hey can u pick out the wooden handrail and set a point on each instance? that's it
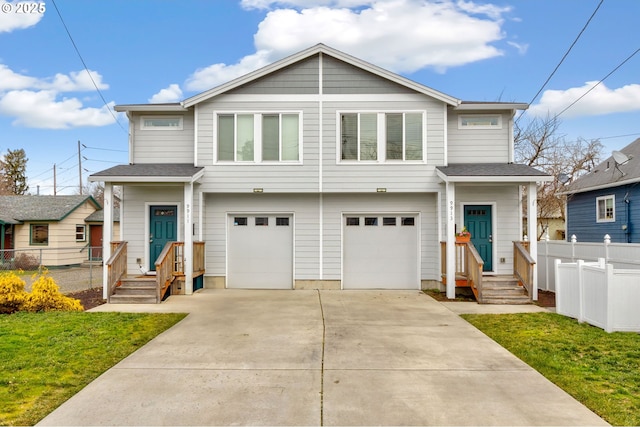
(165, 270)
(469, 265)
(116, 266)
(523, 265)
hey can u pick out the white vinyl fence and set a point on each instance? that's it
(620, 255)
(599, 294)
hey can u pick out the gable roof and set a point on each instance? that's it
(18, 209)
(315, 50)
(491, 172)
(608, 174)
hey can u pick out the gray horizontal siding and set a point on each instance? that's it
(162, 146)
(299, 78)
(478, 146)
(341, 78)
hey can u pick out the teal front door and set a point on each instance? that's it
(477, 219)
(163, 227)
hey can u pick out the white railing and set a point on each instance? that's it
(599, 294)
(620, 255)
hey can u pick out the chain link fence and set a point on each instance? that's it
(73, 269)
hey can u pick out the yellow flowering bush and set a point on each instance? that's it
(12, 293)
(45, 296)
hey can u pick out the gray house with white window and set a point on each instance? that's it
(321, 171)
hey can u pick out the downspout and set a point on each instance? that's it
(627, 226)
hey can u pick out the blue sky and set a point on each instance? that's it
(164, 51)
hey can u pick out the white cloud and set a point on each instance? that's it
(34, 102)
(601, 100)
(400, 35)
(41, 109)
(213, 75)
(173, 93)
(10, 21)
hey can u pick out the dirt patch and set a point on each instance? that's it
(89, 298)
(461, 295)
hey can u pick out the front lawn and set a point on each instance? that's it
(600, 370)
(45, 358)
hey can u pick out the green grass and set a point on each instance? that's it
(45, 358)
(600, 370)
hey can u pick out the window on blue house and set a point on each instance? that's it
(606, 209)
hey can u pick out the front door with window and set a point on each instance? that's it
(163, 227)
(477, 219)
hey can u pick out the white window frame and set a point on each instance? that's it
(604, 199)
(257, 137)
(144, 126)
(382, 137)
(462, 125)
(83, 232)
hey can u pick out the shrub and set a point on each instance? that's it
(26, 262)
(12, 293)
(45, 296)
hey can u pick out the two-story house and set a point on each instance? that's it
(321, 171)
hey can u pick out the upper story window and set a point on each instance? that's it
(380, 137)
(480, 121)
(161, 123)
(257, 137)
(606, 209)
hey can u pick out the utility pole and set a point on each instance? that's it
(80, 167)
(54, 179)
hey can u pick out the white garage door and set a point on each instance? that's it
(381, 252)
(260, 251)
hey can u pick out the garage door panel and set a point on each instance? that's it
(260, 252)
(380, 256)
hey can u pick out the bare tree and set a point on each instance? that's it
(96, 190)
(539, 145)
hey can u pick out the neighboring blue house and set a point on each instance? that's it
(607, 200)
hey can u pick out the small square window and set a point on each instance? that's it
(408, 221)
(262, 221)
(389, 221)
(371, 220)
(240, 220)
(40, 234)
(282, 222)
(353, 220)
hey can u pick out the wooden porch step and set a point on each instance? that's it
(503, 290)
(135, 290)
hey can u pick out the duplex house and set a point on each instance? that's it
(606, 200)
(321, 171)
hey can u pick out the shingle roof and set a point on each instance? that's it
(98, 216)
(161, 172)
(606, 174)
(492, 171)
(16, 209)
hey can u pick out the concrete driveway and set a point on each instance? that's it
(318, 358)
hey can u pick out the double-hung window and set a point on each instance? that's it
(382, 137)
(258, 137)
(606, 209)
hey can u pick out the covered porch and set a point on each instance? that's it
(487, 198)
(159, 249)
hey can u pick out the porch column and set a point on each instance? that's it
(107, 232)
(188, 238)
(532, 232)
(450, 240)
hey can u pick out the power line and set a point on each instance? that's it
(564, 56)
(86, 68)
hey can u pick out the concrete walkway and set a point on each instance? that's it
(318, 358)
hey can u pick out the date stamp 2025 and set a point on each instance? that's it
(22, 7)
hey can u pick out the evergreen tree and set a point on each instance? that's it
(13, 172)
